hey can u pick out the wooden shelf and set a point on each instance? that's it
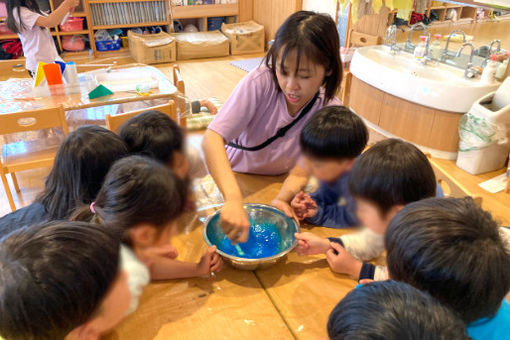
(197, 11)
(76, 54)
(124, 51)
(79, 14)
(73, 32)
(140, 24)
(114, 1)
(8, 36)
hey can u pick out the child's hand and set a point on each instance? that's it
(343, 262)
(298, 205)
(310, 244)
(286, 208)
(310, 206)
(210, 262)
(209, 105)
(72, 3)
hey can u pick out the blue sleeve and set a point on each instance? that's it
(439, 191)
(332, 215)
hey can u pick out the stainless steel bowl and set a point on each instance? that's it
(258, 213)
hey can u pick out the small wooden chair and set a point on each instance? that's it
(113, 123)
(22, 156)
(451, 187)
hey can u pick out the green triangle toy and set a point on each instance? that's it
(99, 91)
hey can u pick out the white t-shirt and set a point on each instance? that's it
(37, 42)
(138, 275)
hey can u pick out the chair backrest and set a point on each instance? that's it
(451, 187)
(113, 123)
(33, 120)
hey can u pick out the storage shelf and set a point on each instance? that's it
(77, 54)
(115, 1)
(73, 32)
(140, 24)
(197, 11)
(78, 14)
(122, 51)
(8, 36)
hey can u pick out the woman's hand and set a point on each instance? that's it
(234, 221)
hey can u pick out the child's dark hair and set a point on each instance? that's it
(334, 132)
(53, 278)
(153, 134)
(390, 173)
(12, 5)
(393, 310)
(452, 249)
(315, 36)
(136, 190)
(81, 164)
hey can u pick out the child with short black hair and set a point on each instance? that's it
(455, 251)
(330, 143)
(141, 200)
(393, 310)
(385, 178)
(156, 135)
(60, 280)
(81, 163)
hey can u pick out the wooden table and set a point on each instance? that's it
(290, 300)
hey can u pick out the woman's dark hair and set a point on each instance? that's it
(334, 132)
(390, 173)
(452, 249)
(136, 190)
(53, 278)
(81, 164)
(12, 5)
(393, 310)
(153, 134)
(314, 36)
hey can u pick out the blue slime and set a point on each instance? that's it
(264, 240)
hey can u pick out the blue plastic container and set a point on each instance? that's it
(214, 23)
(108, 45)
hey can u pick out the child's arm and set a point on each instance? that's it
(57, 15)
(293, 184)
(165, 268)
(342, 262)
(234, 220)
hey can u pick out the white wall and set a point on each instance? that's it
(321, 6)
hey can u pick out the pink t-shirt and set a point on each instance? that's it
(253, 113)
(37, 42)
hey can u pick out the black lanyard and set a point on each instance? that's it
(281, 131)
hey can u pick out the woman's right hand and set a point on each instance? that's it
(234, 221)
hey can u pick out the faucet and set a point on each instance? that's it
(469, 71)
(426, 58)
(391, 35)
(445, 51)
(409, 45)
(495, 42)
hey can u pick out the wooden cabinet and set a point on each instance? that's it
(425, 126)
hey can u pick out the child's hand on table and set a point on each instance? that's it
(304, 206)
(342, 261)
(286, 208)
(310, 244)
(234, 221)
(210, 262)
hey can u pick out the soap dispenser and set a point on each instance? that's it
(502, 68)
(435, 48)
(421, 49)
(489, 72)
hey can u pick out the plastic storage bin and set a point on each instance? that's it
(108, 45)
(73, 43)
(72, 24)
(484, 133)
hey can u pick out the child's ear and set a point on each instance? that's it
(394, 211)
(143, 235)
(180, 164)
(84, 332)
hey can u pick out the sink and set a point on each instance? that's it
(438, 86)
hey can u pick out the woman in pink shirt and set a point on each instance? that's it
(257, 129)
(26, 19)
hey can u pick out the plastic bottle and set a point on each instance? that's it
(502, 69)
(435, 48)
(421, 49)
(489, 72)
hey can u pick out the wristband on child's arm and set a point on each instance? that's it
(367, 271)
(336, 240)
